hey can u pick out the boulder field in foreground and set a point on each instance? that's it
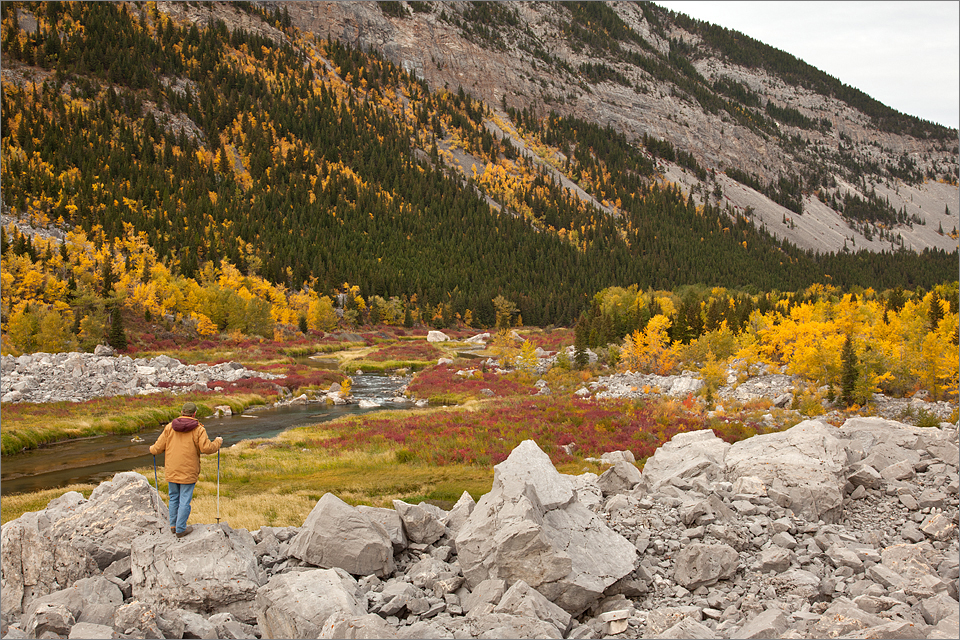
(816, 531)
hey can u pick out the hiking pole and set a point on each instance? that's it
(156, 485)
(218, 486)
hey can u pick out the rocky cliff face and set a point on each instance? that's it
(529, 59)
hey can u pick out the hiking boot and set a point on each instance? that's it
(173, 529)
(186, 531)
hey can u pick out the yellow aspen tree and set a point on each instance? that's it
(205, 326)
(527, 358)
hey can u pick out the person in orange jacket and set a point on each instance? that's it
(184, 439)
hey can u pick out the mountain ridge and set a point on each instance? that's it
(455, 57)
(224, 132)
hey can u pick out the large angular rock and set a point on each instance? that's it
(662, 618)
(801, 467)
(938, 607)
(844, 617)
(489, 591)
(914, 573)
(421, 524)
(872, 431)
(620, 478)
(298, 603)
(91, 631)
(530, 527)
(940, 443)
(687, 628)
(695, 453)
(117, 512)
(338, 535)
(699, 564)
(94, 600)
(523, 600)
(504, 625)
(769, 624)
(34, 564)
(459, 513)
(49, 618)
(390, 520)
(214, 569)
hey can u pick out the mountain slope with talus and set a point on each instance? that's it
(726, 99)
(305, 143)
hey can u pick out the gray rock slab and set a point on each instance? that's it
(565, 552)
(620, 478)
(488, 591)
(802, 468)
(91, 631)
(699, 564)
(298, 603)
(769, 624)
(214, 569)
(459, 513)
(117, 512)
(844, 617)
(688, 628)
(421, 525)
(366, 627)
(523, 600)
(695, 453)
(493, 626)
(390, 520)
(35, 564)
(336, 534)
(662, 618)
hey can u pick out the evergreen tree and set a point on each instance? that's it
(935, 314)
(848, 377)
(106, 274)
(117, 337)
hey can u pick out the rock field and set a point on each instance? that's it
(77, 377)
(814, 532)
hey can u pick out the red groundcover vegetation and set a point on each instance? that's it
(487, 437)
(405, 351)
(443, 379)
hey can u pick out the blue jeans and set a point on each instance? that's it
(180, 497)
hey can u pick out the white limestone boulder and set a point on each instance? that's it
(530, 527)
(686, 455)
(801, 467)
(212, 570)
(298, 604)
(336, 534)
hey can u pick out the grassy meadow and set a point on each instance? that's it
(476, 418)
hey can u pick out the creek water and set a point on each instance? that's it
(93, 460)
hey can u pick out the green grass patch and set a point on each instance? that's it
(431, 455)
(29, 425)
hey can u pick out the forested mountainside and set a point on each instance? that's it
(230, 134)
(811, 160)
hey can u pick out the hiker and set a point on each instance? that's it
(184, 439)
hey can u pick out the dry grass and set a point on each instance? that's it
(12, 507)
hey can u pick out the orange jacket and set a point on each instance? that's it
(184, 439)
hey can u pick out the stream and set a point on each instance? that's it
(95, 459)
